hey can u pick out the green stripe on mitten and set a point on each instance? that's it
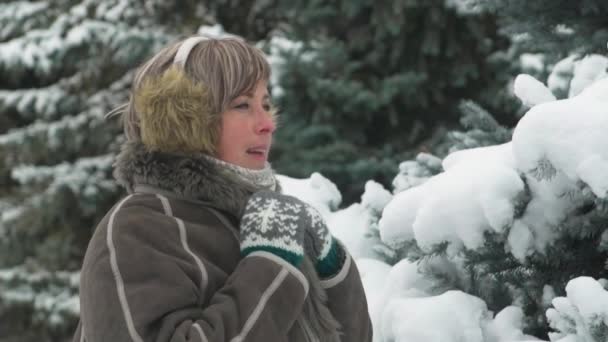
(319, 242)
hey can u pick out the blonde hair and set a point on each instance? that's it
(178, 109)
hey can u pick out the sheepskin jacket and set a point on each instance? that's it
(164, 264)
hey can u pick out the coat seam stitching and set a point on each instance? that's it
(198, 328)
(184, 241)
(255, 315)
(292, 269)
(120, 287)
(82, 332)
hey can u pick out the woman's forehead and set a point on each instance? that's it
(259, 87)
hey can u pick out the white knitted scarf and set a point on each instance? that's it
(262, 179)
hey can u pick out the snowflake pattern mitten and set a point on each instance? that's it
(274, 223)
(320, 244)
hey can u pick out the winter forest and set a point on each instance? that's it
(458, 148)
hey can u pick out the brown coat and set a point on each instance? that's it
(162, 266)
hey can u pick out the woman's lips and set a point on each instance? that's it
(258, 152)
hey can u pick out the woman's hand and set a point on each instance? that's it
(286, 226)
(322, 246)
(274, 223)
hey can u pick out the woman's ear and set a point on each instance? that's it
(176, 113)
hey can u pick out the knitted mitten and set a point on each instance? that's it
(320, 244)
(274, 223)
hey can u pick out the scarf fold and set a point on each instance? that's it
(226, 187)
(260, 179)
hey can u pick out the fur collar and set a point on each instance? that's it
(191, 176)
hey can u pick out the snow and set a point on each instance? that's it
(480, 188)
(452, 316)
(520, 240)
(396, 224)
(19, 16)
(459, 315)
(564, 30)
(120, 10)
(21, 9)
(456, 206)
(534, 62)
(403, 307)
(79, 10)
(52, 132)
(400, 281)
(115, 13)
(586, 71)
(85, 178)
(37, 50)
(375, 197)
(561, 75)
(579, 315)
(558, 148)
(593, 171)
(415, 172)
(573, 133)
(215, 31)
(589, 297)
(18, 295)
(595, 92)
(51, 296)
(279, 46)
(374, 274)
(531, 91)
(82, 169)
(43, 103)
(569, 152)
(350, 226)
(507, 325)
(317, 191)
(390, 290)
(10, 214)
(497, 154)
(465, 7)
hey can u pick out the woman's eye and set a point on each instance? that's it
(267, 107)
(242, 106)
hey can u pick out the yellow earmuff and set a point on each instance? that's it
(175, 112)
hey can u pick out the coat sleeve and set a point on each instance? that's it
(133, 292)
(347, 302)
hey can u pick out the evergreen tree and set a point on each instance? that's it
(558, 27)
(499, 270)
(481, 129)
(373, 80)
(253, 20)
(63, 65)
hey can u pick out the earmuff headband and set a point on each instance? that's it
(184, 50)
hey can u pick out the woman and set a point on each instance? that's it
(205, 247)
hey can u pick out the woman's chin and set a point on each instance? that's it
(256, 162)
(258, 165)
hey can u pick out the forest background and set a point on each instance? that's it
(362, 87)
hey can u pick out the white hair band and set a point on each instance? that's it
(184, 50)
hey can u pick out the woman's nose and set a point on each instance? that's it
(265, 121)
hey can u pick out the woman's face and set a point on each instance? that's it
(247, 127)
